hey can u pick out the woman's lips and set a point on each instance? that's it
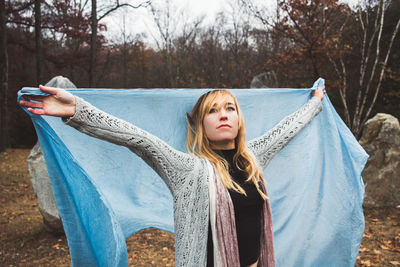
(224, 126)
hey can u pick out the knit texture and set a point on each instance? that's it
(185, 175)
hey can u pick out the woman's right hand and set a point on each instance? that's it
(59, 103)
(320, 92)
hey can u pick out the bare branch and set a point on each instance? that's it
(361, 19)
(29, 24)
(24, 6)
(118, 5)
(257, 13)
(346, 109)
(84, 5)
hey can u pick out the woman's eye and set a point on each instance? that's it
(231, 109)
(213, 110)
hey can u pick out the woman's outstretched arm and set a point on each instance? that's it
(269, 144)
(168, 162)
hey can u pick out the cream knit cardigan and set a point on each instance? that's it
(186, 176)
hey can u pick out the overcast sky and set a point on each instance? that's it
(140, 20)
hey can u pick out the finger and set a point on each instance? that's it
(31, 104)
(48, 89)
(34, 97)
(36, 111)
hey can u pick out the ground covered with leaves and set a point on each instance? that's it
(24, 240)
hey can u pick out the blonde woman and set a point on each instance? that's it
(222, 214)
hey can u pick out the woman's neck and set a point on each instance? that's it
(223, 145)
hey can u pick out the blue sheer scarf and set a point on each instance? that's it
(105, 193)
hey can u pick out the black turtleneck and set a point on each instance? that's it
(247, 215)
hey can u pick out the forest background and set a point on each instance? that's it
(355, 48)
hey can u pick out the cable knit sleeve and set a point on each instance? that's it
(269, 144)
(168, 162)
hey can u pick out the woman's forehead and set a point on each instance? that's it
(222, 99)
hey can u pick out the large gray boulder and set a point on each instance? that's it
(43, 190)
(40, 177)
(264, 80)
(381, 140)
(61, 82)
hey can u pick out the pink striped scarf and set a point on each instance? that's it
(226, 229)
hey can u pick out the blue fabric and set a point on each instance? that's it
(105, 193)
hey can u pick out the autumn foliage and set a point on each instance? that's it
(304, 41)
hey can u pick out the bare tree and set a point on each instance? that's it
(124, 53)
(176, 32)
(38, 41)
(210, 56)
(104, 11)
(373, 61)
(185, 47)
(166, 19)
(237, 40)
(93, 43)
(3, 79)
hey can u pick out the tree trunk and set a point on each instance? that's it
(124, 56)
(93, 45)
(38, 41)
(3, 79)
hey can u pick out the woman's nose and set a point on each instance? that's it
(223, 115)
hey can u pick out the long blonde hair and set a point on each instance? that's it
(198, 144)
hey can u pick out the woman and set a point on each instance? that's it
(221, 209)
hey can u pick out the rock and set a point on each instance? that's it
(60, 82)
(43, 190)
(264, 80)
(40, 177)
(381, 140)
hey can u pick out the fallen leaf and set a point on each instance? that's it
(366, 263)
(395, 262)
(368, 235)
(377, 251)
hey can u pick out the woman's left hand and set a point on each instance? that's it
(319, 92)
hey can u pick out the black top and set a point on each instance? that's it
(247, 215)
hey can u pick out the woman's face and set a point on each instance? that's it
(221, 123)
